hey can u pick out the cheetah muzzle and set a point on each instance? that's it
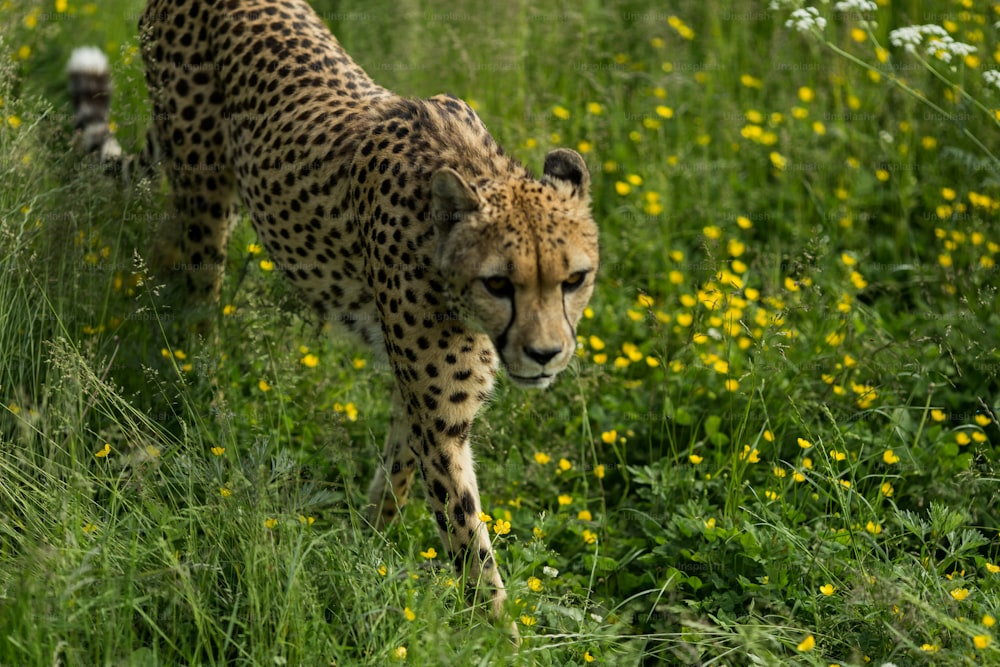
(400, 218)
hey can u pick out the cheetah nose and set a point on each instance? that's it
(542, 356)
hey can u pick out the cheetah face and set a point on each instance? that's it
(520, 257)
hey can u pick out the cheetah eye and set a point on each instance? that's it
(574, 282)
(499, 286)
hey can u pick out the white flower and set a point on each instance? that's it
(911, 36)
(943, 48)
(855, 6)
(550, 571)
(805, 20)
(992, 77)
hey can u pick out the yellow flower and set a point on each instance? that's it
(565, 499)
(485, 518)
(382, 570)
(695, 459)
(218, 451)
(960, 593)
(988, 621)
(587, 657)
(542, 458)
(527, 621)
(835, 338)
(770, 495)
(89, 528)
(538, 533)
(748, 454)
(889, 457)
(828, 589)
(594, 108)
(535, 584)
(270, 523)
(228, 309)
(310, 360)
(399, 653)
(983, 420)
(803, 443)
(778, 160)
(622, 188)
(408, 613)
(806, 94)
(938, 415)
(430, 554)
(837, 455)
(732, 384)
(599, 471)
(807, 644)
(609, 437)
(501, 527)
(711, 232)
(560, 112)
(589, 537)
(266, 265)
(225, 492)
(981, 641)
(992, 569)
(307, 520)
(963, 438)
(887, 490)
(664, 111)
(930, 648)
(104, 451)
(710, 523)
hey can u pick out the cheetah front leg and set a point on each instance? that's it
(453, 493)
(391, 484)
(440, 396)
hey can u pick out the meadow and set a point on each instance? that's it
(778, 444)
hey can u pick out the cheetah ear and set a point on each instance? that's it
(451, 198)
(565, 168)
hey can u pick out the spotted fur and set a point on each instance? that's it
(400, 218)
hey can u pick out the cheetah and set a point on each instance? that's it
(400, 218)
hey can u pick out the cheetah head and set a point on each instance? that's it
(520, 256)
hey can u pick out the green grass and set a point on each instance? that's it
(782, 424)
